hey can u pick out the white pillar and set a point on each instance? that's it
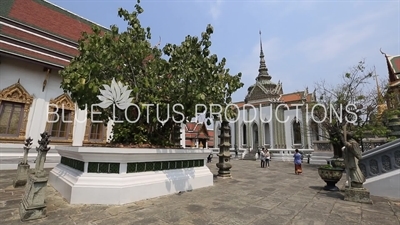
(183, 136)
(80, 121)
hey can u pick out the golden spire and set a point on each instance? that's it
(378, 90)
(381, 103)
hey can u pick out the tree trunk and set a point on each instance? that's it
(337, 150)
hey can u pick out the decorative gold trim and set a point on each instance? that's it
(88, 141)
(18, 94)
(62, 102)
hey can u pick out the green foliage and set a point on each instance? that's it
(190, 75)
(327, 166)
(362, 115)
(201, 78)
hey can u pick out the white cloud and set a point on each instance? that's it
(340, 38)
(215, 9)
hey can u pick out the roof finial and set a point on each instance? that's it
(262, 70)
(382, 52)
(261, 49)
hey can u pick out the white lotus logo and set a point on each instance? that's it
(117, 94)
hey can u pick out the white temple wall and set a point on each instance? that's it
(31, 76)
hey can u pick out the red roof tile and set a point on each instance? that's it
(48, 17)
(190, 135)
(202, 136)
(190, 126)
(188, 143)
(291, 97)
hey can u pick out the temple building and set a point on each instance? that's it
(37, 39)
(197, 135)
(270, 118)
(393, 92)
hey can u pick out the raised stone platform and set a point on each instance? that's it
(123, 175)
(255, 195)
(359, 195)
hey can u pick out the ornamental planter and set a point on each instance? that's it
(125, 175)
(331, 176)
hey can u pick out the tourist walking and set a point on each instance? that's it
(297, 162)
(262, 157)
(267, 157)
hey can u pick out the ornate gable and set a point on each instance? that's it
(264, 92)
(16, 93)
(203, 132)
(63, 102)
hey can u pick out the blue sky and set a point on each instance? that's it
(304, 41)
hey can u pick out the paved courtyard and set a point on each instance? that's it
(254, 196)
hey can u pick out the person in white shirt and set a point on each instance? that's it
(262, 157)
(267, 157)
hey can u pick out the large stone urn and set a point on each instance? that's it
(331, 176)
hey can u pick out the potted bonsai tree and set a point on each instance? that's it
(331, 175)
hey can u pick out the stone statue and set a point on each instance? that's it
(27, 147)
(42, 152)
(23, 166)
(33, 205)
(351, 155)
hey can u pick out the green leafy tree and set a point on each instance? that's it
(353, 102)
(198, 77)
(189, 76)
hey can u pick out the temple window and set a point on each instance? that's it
(296, 132)
(267, 135)
(314, 132)
(244, 134)
(96, 132)
(61, 127)
(15, 104)
(11, 115)
(60, 124)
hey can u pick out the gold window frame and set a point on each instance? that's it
(63, 102)
(18, 94)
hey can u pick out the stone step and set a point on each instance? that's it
(319, 158)
(385, 185)
(251, 155)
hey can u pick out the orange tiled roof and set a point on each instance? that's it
(291, 97)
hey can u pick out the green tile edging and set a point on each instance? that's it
(103, 167)
(73, 163)
(138, 167)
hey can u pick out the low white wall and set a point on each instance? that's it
(83, 187)
(12, 154)
(287, 154)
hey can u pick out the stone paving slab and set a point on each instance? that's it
(254, 195)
